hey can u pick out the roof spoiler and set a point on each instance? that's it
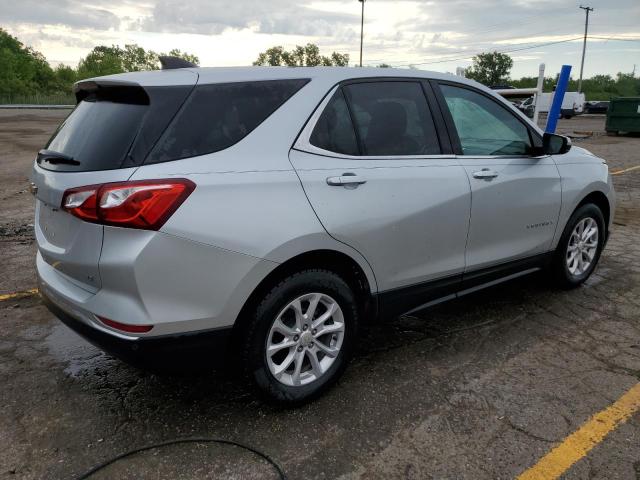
(113, 90)
(169, 63)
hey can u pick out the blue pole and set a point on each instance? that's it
(556, 106)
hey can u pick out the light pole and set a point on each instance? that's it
(361, 30)
(584, 43)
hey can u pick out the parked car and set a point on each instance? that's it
(572, 104)
(264, 217)
(526, 106)
(597, 106)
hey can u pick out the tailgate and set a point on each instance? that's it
(106, 137)
(69, 244)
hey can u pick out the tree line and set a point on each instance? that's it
(493, 68)
(27, 77)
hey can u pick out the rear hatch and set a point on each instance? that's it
(107, 136)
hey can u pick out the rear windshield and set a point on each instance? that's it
(217, 116)
(114, 127)
(98, 134)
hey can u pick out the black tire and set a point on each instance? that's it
(560, 270)
(265, 314)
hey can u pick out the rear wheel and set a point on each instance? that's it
(301, 336)
(580, 246)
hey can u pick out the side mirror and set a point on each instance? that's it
(553, 144)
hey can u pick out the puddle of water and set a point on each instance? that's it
(69, 348)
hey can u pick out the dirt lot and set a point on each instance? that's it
(478, 388)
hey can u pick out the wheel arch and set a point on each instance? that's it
(600, 200)
(338, 262)
(573, 199)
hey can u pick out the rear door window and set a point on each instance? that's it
(334, 131)
(392, 118)
(216, 116)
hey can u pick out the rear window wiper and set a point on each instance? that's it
(55, 158)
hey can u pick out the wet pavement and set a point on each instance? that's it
(478, 388)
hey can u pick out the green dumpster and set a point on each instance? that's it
(623, 115)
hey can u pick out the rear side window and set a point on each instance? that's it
(485, 127)
(392, 118)
(334, 130)
(217, 116)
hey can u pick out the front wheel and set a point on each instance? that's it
(300, 336)
(580, 246)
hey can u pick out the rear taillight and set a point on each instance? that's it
(145, 204)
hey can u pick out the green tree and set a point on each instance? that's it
(25, 74)
(490, 68)
(135, 58)
(22, 69)
(102, 60)
(64, 78)
(184, 55)
(628, 85)
(301, 56)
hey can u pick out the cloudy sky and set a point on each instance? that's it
(433, 34)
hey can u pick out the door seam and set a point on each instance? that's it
(373, 273)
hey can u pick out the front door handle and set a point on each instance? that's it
(346, 179)
(485, 174)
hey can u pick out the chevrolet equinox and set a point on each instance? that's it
(269, 214)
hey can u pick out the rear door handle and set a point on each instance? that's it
(346, 179)
(485, 174)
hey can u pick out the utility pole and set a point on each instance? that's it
(584, 43)
(361, 30)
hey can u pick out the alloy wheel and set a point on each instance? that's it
(582, 247)
(305, 339)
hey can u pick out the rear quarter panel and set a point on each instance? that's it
(248, 197)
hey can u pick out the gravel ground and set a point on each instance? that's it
(477, 388)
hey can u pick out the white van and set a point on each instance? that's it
(572, 103)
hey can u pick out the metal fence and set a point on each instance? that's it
(37, 99)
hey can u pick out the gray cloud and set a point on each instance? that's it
(440, 29)
(481, 21)
(216, 16)
(72, 13)
(498, 19)
(451, 28)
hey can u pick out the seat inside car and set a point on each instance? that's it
(387, 132)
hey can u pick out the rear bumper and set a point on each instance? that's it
(153, 278)
(166, 352)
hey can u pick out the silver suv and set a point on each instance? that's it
(271, 213)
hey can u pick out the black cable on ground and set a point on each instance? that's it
(129, 453)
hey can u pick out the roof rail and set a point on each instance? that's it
(169, 63)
